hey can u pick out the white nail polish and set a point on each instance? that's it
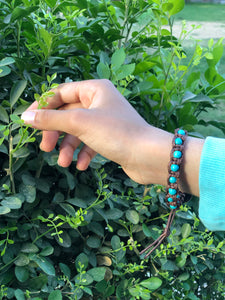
(28, 117)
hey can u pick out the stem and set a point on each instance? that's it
(13, 189)
(18, 38)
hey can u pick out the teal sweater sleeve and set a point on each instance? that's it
(212, 184)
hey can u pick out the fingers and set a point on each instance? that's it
(67, 148)
(81, 92)
(49, 140)
(84, 158)
(69, 121)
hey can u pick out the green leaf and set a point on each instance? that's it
(29, 192)
(17, 91)
(97, 274)
(68, 208)
(103, 71)
(22, 260)
(38, 282)
(29, 248)
(115, 242)
(132, 216)
(186, 230)
(84, 279)
(152, 283)
(143, 66)
(3, 115)
(22, 273)
(146, 230)
(174, 6)
(44, 264)
(4, 71)
(55, 295)
(51, 3)
(113, 214)
(184, 276)
(181, 260)
(19, 294)
(12, 202)
(47, 251)
(124, 71)
(93, 242)
(6, 61)
(118, 59)
(4, 210)
(65, 269)
(21, 12)
(83, 260)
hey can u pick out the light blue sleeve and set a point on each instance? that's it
(212, 184)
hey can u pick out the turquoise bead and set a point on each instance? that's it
(172, 191)
(173, 207)
(170, 199)
(174, 168)
(178, 141)
(172, 179)
(177, 154)
(181, 131)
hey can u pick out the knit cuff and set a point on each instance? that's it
(212, 184)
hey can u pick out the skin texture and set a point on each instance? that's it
(95, 113)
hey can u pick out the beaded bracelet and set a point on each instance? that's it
(174, 197)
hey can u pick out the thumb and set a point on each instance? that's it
(69, 121)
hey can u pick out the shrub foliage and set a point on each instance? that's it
(65, 234)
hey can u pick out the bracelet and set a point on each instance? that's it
(174, 197)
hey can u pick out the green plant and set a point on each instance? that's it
(73, 235)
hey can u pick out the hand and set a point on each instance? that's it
(95, 113)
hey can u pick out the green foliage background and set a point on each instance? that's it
(71, 235)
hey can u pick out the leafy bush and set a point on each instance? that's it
(73, 235)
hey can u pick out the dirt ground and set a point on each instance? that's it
(208, 30)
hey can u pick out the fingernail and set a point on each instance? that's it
(28, 117)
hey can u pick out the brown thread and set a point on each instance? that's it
(174, 201)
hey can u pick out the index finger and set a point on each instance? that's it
(72, 92)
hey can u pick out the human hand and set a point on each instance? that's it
(95, 113)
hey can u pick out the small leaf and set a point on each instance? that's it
(3, 115)
(65, 269)
(29, 248)
(118, 59)
(83, 260)
(44, 264)
(103, 71)
(12, 202)
(29, 192)
(4, 71)
(6, 61)
(132, 216)
(152, 283)
(68, 208)
(93, 242)
(55, 295)
(4, 210)
(186, 230)
(47, 251)
(22, 260)
(113, 214)
(19, 294)
(22, 273)
(115, 242)
(17, 90)
(97, 274)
